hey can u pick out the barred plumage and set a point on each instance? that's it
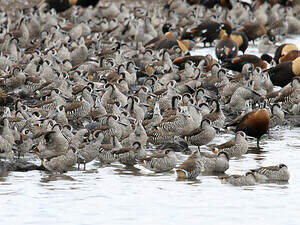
(272, 173)
(160, 162)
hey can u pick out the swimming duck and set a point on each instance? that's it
(160, 162)
(272, 173)
(214, 163)
(240, 180)
(190, 168)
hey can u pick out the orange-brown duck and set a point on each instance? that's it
(196, 59)
(239, 37)
(254, 30)
(238, 62)
(284, 72)
(291, 56)
(283, 50)
(254, 123)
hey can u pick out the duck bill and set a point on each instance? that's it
(40, 4)
(181, 174)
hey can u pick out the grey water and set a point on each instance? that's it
(116, 195)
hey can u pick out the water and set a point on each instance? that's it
(114, 195)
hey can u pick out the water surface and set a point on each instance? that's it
(115, 195)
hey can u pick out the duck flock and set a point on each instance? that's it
(118, 82)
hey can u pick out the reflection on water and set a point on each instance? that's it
(3, 176)
(122, 195)
(56, 177)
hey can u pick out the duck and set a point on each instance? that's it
(6, 149)
(214, 163)
(160, 162)
(226, 49)
(239, 37)
(129, 156)
(216, 116)
(248, 179)
(283, 50)
(190, 168)
(236, 147)
(202, 135)
(290, 56)
(254, 30)
(254, 124)
(284, 72)
(272, 173)
(78, 109)
(277, 115)
(238, 62)
(265, 46)
(139, 134)
(53, 141)
(289, 94)
(90, 151)
(106, 151)
(240, 96)
(208, 30)
(59, 162)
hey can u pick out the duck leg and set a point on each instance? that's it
(257, 143)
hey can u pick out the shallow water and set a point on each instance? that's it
(115, 195)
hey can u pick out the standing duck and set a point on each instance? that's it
(254, 123)
(208, 30)
(6, 150)
(216, 116)
(90, 151)
(254, 30)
